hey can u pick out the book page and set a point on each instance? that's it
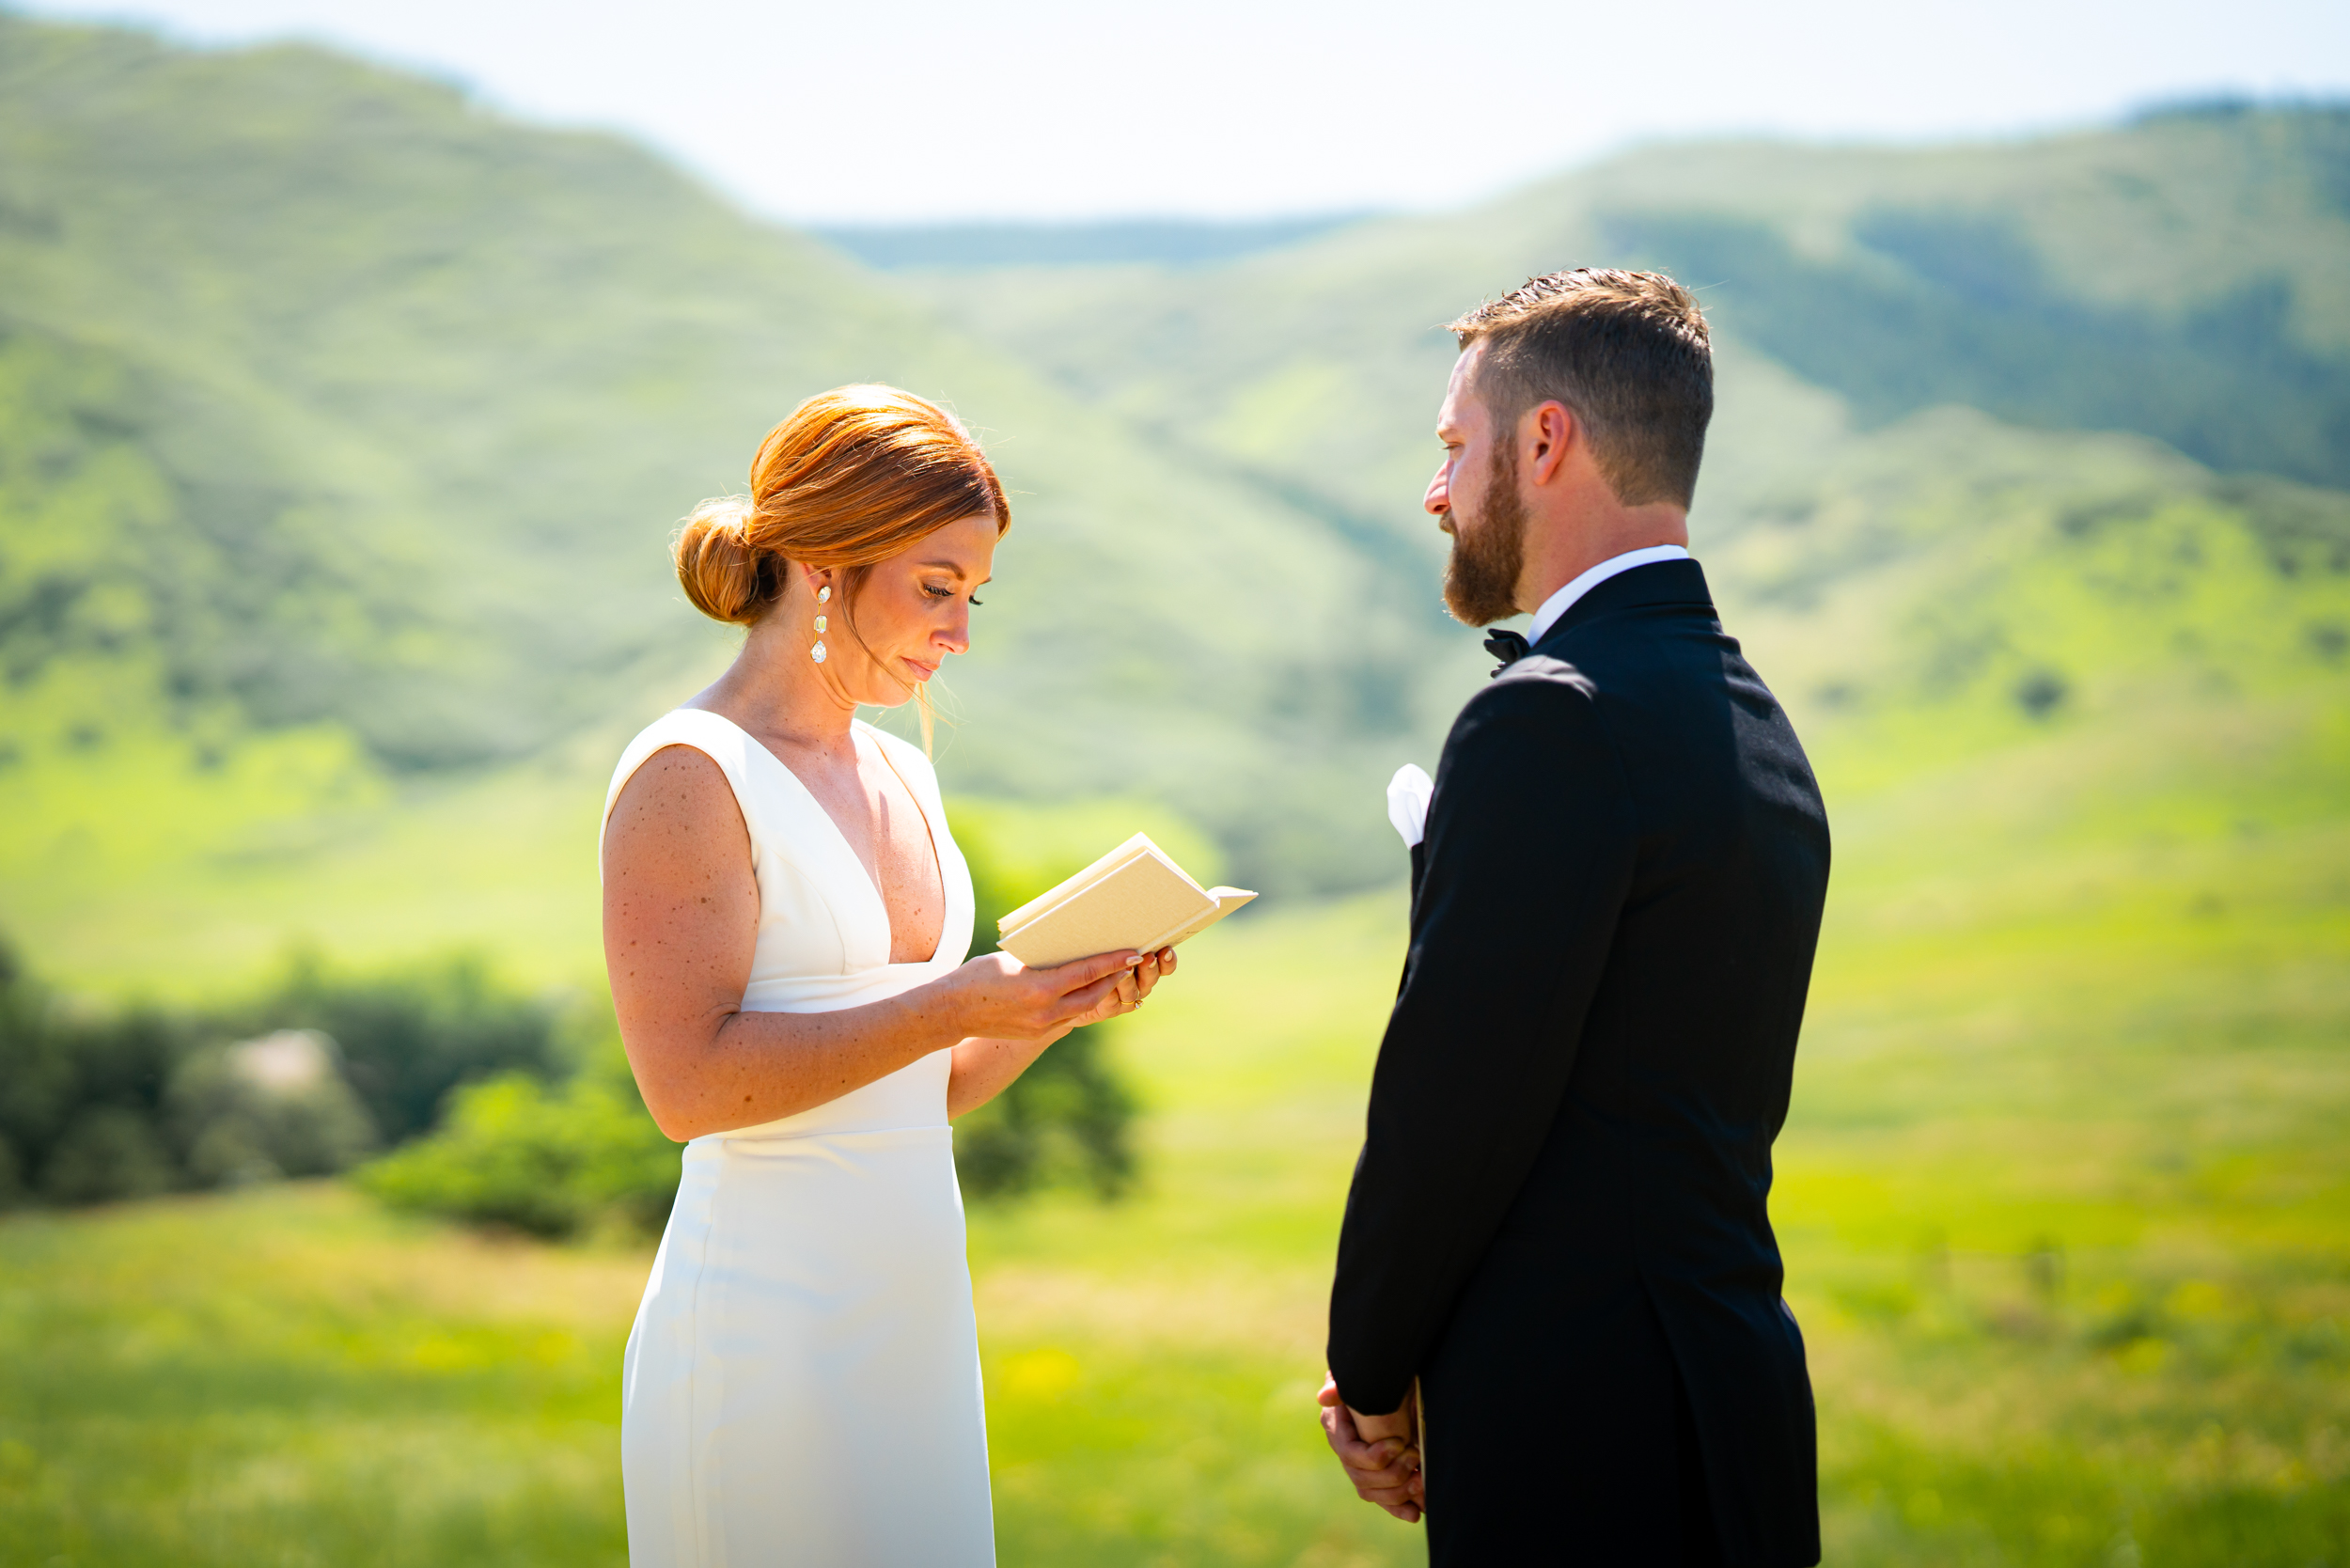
(1138, 905)
(1069, 887)
(1227, 900)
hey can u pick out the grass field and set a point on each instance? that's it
(2065, 1202)
(2066, 1208)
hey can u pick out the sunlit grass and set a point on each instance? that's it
(292, 1376)
(2064, 1199)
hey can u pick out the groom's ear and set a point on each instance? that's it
(1546, 432)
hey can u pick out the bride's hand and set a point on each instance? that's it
(1131, 990)
(1000, 999)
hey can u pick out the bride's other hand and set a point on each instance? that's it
(1144, 974)
(1002, 999)
(1151, 970)
(1015, 1013)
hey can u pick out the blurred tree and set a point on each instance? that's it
(1063, 1121)
(106, 1151)
(409, 1037)
(95, 1107)
(550, 1160)
(79, 1095)
(264, 1108)
(1068, 1118)
(538, 1122)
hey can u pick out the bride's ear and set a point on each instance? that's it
(815, 579)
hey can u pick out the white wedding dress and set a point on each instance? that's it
(802, 1385)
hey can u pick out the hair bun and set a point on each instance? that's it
(716, 563)
(849, 478)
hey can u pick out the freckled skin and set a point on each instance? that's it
(681, 906)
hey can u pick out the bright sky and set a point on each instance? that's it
(922, 110)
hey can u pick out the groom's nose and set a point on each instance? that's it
(1438, 501)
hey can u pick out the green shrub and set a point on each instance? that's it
(301, 1082)
(553, 1161)
(1062, 1122)
(79, 1096)
(106, 1151)
(408, 1036)
(264, 1108)
(1065, 1121)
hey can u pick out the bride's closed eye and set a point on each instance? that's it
(936, 593)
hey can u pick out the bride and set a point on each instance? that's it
(785, 920)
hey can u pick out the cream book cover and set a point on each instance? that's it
(1132, 897)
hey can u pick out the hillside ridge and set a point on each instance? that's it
(341, 423)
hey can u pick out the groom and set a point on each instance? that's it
(1556, 1250)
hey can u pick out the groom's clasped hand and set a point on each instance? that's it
(1003, 999)
(1381, 1453)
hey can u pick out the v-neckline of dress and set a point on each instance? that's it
(865, 875)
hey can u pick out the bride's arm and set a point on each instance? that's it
(681, 921)
(985, 1068)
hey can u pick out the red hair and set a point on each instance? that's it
(851, 477)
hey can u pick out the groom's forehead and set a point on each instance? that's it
(1462, 407)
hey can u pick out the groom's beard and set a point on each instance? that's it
(1481, 579)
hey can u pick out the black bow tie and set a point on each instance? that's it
(1508, 647)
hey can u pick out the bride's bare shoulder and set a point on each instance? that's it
(677, 804)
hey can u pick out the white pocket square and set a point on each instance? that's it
(1408, 794)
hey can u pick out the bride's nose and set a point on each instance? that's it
(955, 637)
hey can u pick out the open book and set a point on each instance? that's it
(1132, 897)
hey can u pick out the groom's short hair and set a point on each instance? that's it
(1628, 354)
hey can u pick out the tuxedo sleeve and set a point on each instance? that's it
(1527, 858)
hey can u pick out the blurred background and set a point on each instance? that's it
(356, 359)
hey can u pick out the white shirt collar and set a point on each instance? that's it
(1560, 603)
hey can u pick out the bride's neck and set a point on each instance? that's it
(775, 690)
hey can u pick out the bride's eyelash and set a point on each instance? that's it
(945, 593)
(975, 602)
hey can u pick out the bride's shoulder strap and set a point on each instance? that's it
(716, 738)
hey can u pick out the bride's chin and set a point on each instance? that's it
(881, 691)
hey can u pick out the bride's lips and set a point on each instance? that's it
(922, 670)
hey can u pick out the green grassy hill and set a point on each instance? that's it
(342, 424)
(343, 427)
(2181, 276)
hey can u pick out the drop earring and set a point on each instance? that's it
(823, 596)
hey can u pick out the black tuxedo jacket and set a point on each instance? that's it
(1613, 918)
